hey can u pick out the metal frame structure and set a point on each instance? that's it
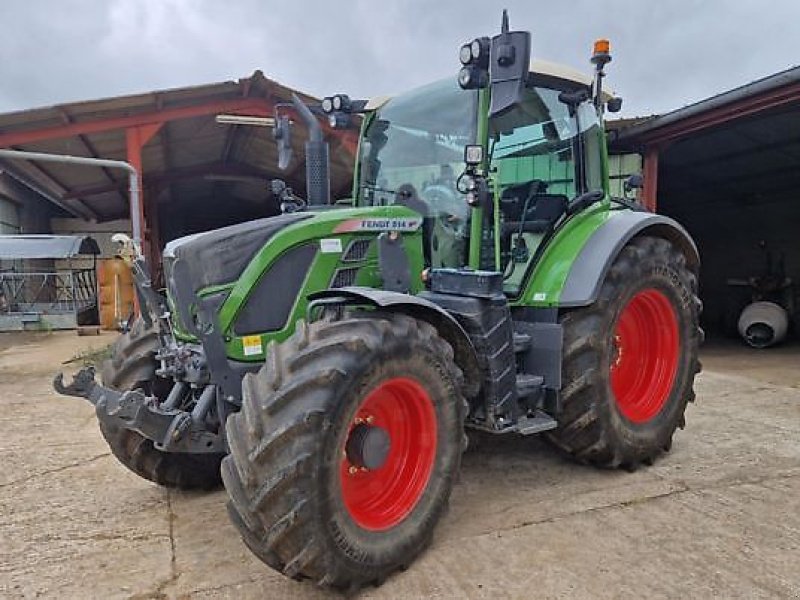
(139, 129)
(42, 297)
(654, 136)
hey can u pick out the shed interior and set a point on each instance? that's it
(736, 188)
(197, 174)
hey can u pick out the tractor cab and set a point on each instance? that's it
(543, 152)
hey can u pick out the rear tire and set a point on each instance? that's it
(133, 366)
(297, 494)
(630, 359)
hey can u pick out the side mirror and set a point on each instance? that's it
(509, 63)
(614, 105)
(634, 182)
(282, 134)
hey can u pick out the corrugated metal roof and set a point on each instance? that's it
(759, 87)
(20, 247)
(189, 157)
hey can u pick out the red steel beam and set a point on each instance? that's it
(723, 114)
(650, 175)
(135, 139)
(250, 106)
(247, 106)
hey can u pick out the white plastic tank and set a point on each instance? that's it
(763, 324)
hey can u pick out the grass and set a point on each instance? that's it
(91, 356)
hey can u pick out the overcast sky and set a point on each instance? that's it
(667, 53)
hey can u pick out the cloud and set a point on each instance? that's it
(666, 54)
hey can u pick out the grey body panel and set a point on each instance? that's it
(544, 356)
(589, 269)
(221, 255)
(393, 261)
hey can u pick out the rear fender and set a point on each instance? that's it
(590, 267)
(416, 307)
(575, 261)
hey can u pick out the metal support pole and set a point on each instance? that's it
(133, 178)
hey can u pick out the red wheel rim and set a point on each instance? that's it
(378, 499)
(645, 358)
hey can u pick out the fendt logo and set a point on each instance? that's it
(395, 224)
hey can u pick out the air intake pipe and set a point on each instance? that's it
(763, 324)
(318, 183)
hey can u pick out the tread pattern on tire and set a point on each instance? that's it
(132, 365)
(278, 437)
(585, 430)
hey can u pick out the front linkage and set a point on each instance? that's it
(200, 373)
(170, 429)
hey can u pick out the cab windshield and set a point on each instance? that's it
(543, 155)
(412, 153)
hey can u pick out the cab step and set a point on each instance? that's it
(539, 422)
(528, 384)
(522, 342)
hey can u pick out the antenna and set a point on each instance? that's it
(504, 24)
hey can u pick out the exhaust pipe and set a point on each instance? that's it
(318, 184)
(763, 324)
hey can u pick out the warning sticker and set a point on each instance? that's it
(330, 246)
(251, 344)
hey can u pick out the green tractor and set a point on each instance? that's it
(325, 363)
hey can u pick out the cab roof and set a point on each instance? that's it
(539, 67)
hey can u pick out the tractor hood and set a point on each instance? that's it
(219, 256)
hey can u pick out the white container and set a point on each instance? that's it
(763, 324)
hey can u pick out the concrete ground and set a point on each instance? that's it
(718, 516)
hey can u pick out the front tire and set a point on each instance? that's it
(630, 359)
(133, 366)
(346, 448)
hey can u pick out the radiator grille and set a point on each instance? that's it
(344, 277)
(357, 250)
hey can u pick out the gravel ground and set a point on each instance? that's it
(718, 516)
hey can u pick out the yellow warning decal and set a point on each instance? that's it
(251, 344)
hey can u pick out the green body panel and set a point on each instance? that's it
(325, 224)
(549, 274)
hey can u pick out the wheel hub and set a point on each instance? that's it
(389, 453)
(644, 355)
(368, 446)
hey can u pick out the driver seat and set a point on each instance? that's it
(546, 210)
(522, 238)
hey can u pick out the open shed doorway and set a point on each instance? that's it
(736, 188)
